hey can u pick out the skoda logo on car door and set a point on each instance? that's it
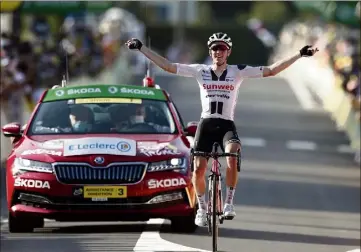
(99, 160)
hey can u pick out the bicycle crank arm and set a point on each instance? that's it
(227, 217)
(222, 218)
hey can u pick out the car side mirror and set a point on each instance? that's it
(191, 128)
(12, 130)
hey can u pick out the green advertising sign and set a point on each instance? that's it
(104, 91)
(55, 7)
(337, 11)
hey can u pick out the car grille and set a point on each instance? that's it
(81, 173)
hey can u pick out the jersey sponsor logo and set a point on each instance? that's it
(218, 95)
(206, 78)
(164, 183)
(32, 183)
(225, 87)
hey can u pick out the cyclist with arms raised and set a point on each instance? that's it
(219, 84)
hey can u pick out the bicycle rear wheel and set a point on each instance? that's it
(214, 213)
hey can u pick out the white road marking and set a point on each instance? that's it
(254, 142)
(355, 250)
(151, 241)
(301, 145)
(345, 149)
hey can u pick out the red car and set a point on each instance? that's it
(101, 153)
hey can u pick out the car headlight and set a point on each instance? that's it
(175, 164)
(23, 165)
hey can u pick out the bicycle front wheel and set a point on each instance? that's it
(214, 213)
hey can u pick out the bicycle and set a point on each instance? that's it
(215, 210)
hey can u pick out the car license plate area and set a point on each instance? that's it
(103, 193)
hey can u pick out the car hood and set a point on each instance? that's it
(119, 148)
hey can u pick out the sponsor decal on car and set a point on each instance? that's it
(99, 145)
(108, 100)
(31, 183)
(102, 193)
(42, 151)
(165, 183)
(157, 149)
(53, 144)
(78, 91)
(104, 91)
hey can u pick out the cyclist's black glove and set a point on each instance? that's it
(134, 44)
(307, 51)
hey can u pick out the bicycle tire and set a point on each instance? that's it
(239, 160)
(214, 213)
(209, 207)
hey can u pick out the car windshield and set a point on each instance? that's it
(103, 116)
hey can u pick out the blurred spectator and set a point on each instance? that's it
(340, 50)
(339, 54)
(182, 51)
(119, 25)
(37, 61)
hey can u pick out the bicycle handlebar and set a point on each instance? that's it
(213, 154)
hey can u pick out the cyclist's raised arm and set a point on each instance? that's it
(160, 61)
(250, 72)
(281, 65)
(166, 65)
(174, 68)
(187, 70)
(276, 68)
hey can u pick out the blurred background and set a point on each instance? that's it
(94, 33)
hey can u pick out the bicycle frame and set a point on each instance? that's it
(216, 175)
(215, 202)
(215, 199)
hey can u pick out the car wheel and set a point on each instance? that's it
(23, 224)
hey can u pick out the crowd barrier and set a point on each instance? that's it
(118, 73)
(340, 105)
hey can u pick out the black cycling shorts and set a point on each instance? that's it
(211, 130)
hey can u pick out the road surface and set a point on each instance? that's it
(299, 189)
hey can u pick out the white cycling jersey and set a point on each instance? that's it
(219, 94)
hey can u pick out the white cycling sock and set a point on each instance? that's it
(230, 195)
(202, 201)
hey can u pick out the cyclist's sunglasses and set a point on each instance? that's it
(219, 47)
